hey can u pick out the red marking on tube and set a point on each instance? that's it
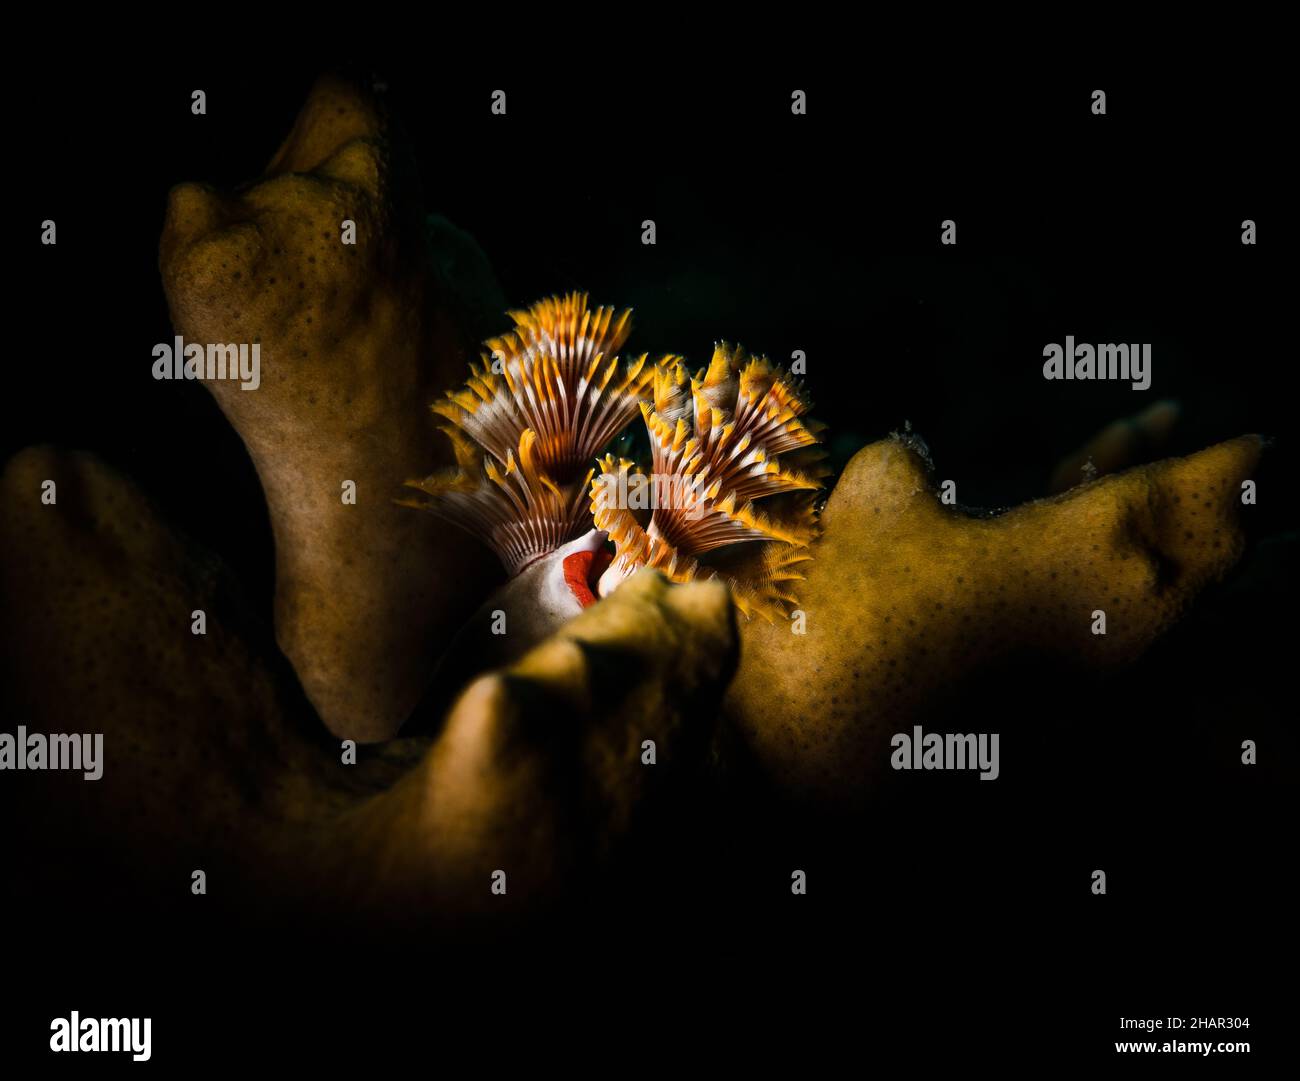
(582, 570)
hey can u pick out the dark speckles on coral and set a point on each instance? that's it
(993, 590)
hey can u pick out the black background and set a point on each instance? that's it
(954, 919)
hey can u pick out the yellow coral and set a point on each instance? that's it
(907, 598)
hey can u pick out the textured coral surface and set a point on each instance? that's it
(214, 758)
(219, 747)
(356, 340)
(906, 598)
